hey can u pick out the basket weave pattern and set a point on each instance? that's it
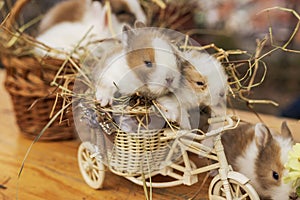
(28, 81)
(136, 153)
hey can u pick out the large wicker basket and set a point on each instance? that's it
(28, 83)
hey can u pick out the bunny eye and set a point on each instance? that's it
(200, 83)
(148, 63)
(121, 12)
(275, 175)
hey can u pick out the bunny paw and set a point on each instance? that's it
(171, 114)
(104, 96)
(169, 108)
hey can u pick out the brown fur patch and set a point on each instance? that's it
(236, 142)
(67, 11)
(138, 57)
(136, 61)
(194, 79)
(268, 161)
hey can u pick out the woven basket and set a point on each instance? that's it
(28, 83)
(136, 153)
(132, 153)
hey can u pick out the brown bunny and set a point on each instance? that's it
(260, 154)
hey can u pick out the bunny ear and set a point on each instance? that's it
(127, 35)
(262, 135)
(98, 15)
(285, 131)
(139, 24)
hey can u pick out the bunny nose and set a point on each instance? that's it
(222, 94)
(170, 80)
(293, 196)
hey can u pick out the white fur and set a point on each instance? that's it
(169, 107)
(113, 71)
(135, 7)
(167, 67)
(70, 34)
(246, 165)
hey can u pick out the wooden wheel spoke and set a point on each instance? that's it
(88, 172)
(96, 173)
(85, 155)
(96, 167)
(237, 191)
(231, 189)
(244, 196)
(95, 163)
(93, 176)
(222, 189)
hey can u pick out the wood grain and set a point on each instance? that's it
(51, 170)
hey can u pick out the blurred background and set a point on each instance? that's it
(235, 24)
(238, 24)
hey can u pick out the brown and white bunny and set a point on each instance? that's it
(64, 32)
(204, 83)
(144, 63)
(77, 22)
(216, 79)
(125, 11)
(260, 154)
(175, 106)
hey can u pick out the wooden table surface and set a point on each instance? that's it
(51, 170)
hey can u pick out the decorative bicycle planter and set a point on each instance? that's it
(142, 155)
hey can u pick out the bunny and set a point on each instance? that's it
(260, 154)
(204, 83)
(66, 34)
(189, 95)
(216, 78)
(144, 63)
(124, 11)
(82, 21)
